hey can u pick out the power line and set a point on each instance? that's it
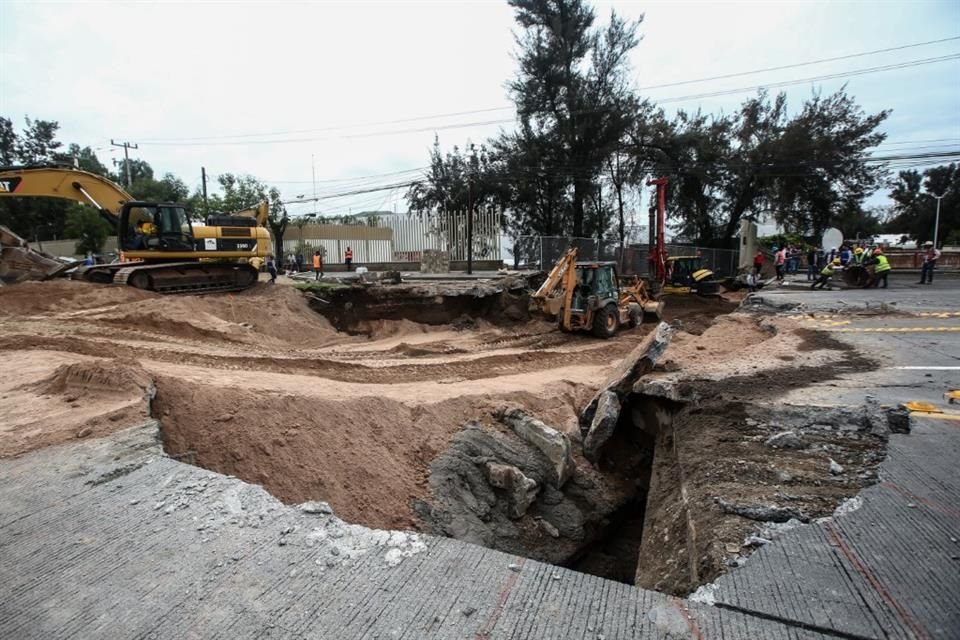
(831, 76)
(798, 64)
(158, 141)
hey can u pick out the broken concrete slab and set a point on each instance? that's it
(639, 362)
(785, 440)
(552, 443)
(604, 422)
(761, 512)
(521, 490)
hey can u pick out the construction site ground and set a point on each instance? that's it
(163, 460)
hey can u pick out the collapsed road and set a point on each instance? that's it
(662, 458)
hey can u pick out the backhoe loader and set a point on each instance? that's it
(590, 296)
(161, 249)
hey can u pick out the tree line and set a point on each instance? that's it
(586, 141)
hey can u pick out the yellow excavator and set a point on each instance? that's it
(161, 249)
(590, 296)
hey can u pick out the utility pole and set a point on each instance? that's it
(203, 177)
(126, 155)
(936, 224)
(469, 230)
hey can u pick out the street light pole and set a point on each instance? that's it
(936, 223)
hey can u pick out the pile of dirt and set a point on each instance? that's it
(368, 457)
(65, 296)
(263, 314)
(94, 379)
(58, 401)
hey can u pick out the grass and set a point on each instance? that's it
(319, 285)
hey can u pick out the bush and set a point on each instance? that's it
(88, 227)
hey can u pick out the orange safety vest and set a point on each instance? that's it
(349, 254)
(316, 262)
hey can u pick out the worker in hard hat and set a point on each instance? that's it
(881, 269)
(826, 273)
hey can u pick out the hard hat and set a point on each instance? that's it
(858, 250)
(877, 250)
(836, 261)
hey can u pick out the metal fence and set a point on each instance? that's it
(542, 252)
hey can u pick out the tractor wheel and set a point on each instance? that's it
(606, 322)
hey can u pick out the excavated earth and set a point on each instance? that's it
(414, 425)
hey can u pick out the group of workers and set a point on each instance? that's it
(295, 263)
(870, 267)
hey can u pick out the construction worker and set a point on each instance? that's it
(317, 265)
(348, 257)
(272, 268)
(758, 262)
(827, 273)
(858, 257)
(881, 270)
(929, 263)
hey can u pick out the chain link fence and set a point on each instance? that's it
(542, 252)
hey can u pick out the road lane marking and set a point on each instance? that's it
(926, 368)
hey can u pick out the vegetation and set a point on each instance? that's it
(586, 141)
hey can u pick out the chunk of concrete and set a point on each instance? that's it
(603, 425)
(522, 491)
(639, 362)
(761, 512)
(554, 445)
(785, 440)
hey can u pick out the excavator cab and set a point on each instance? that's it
(686, 274)
(146, 226)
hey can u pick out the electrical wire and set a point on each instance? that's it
(222, 138)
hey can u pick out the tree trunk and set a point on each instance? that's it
(580, 189)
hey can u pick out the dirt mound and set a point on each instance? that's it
(97, 378)
(277, 314)
(65, 296)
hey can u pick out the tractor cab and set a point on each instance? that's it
(147, 226)
(597, 285)
(686, 274)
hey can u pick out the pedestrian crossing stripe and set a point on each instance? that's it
(895, 329)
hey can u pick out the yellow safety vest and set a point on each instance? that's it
(882, 264)
(828, 270)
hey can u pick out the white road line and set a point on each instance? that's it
(928, 368)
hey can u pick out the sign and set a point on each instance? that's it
(210, 244)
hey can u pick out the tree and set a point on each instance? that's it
(242, 192)
(85, 159)
(915, 205)
(168, 189)
(573, 84)
(85, 224)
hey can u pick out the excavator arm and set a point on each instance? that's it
(67, 183)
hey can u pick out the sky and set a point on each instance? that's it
(316, 97)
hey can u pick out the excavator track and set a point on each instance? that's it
(175, 277)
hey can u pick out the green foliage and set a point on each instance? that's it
(85, 224)
(916, 207)
(242, 192)
(320, 285)
(168, 189)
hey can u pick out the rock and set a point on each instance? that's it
(468, 611)
(783, 476)
(898, 419)
(604, 423)
(639, 362)
(761, 512)
(835, 469)
(549, 529)
(514, 567)
(316, 507)
(755, 541)
(554, 445)
(785, 440)
(521, 490)
(84, 432)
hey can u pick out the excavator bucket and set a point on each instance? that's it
(18, 262)
(652, 311)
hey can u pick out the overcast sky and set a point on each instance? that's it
(273, 89)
